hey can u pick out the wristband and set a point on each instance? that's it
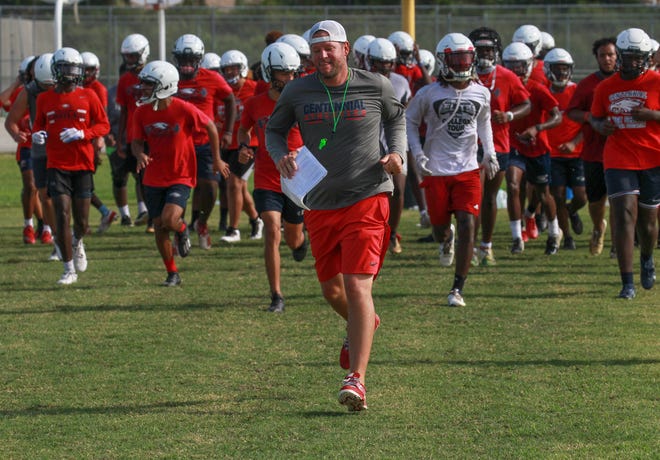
(509, 116)
(229, 132)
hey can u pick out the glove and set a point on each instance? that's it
(420, 161)
(71, 134)
(491, 166)
(39, 137)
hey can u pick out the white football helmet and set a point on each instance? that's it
(188, 52)
(456, 57)
(633, 51)
(547, 41)
(381, 49)
(360, 47)
(404, 45)
(42, 70)
(91, 64)
(518, 58)
(654, 45)
(278, 56)
(235, 57)
(428, 60)
(211, 61)
(558, 76)
(67, 66)
(529, 35)
(298, 43)
(165, 78)
(23, 69)
(138, 45)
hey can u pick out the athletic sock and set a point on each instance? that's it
(516, 229)
(124, 211)
(103, 209)
(459, 282)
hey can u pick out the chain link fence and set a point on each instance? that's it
(29, 30)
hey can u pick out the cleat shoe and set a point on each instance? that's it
(395, 245)
(68, 278)
(203, 235)
(627, 292)
(300, 252)
(233, 235)
(80, 257)
(46, 237)
(173, 279)
(541, 222)
(597, 240)
(29, 237)
(352, 394)
(474, 261)
(486, 257)
(553, 244)
(426, 239)
(257, 229)
(142, 218)
(576, 223)
(126, 221)
(56, 254)
(106, 222)
(276, 304)
(518, 246)
(647, 274)
(344, 357)
(524, 236)
(569, 243)
(424, 219)
(455, 298)
(182, 240)
(446, 249)
(531, 228)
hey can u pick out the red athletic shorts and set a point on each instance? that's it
(351, 240)
(447, 194)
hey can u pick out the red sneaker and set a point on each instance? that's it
(344, 358)
(29, 237)
(525, 237)
(46, 237)
(532, 229)
(352, 394)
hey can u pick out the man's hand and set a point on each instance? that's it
(39, 137)
(491, 166)
(245, 154)
(287, 165)
(222, 167)
(420, 162)
(225, 140)
(603, 126)
(142, 162)
(392, 163)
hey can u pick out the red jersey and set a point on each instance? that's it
(634, 145)
(262, 87)
(567, 129)
(24, 124)
(100, 90)
(169, 134)
(593, 143)
(538, 73)
(256, 113)
(128, 93)
(79, 109)
(246, 91)
(206, 90)
(506, 91)
(542, 102)
(413, 74)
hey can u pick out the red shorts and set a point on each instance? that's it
(447, 194)
(351, 240)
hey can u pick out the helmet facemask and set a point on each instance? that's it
(457, 65)
(633, 63)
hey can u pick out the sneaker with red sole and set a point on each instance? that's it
(531, 228)
(353, 394)
(344, 357)
(46, 237)
(29, 237)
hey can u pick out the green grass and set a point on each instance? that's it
(544, 362)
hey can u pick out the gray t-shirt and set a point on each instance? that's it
(352, 153)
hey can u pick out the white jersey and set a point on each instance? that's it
(455, 120)
(402, 93)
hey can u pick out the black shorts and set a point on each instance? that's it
(122, 167)
(567, 172)
(157, 197)
(538, 169)
(205, 163)
(268, 200)
(645, 183)
(40, 172)
(76, 184)
(237, 169)
(594, 178)
(25, 159)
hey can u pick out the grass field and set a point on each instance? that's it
(544, 362)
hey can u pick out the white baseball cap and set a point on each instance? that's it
(336, 32)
